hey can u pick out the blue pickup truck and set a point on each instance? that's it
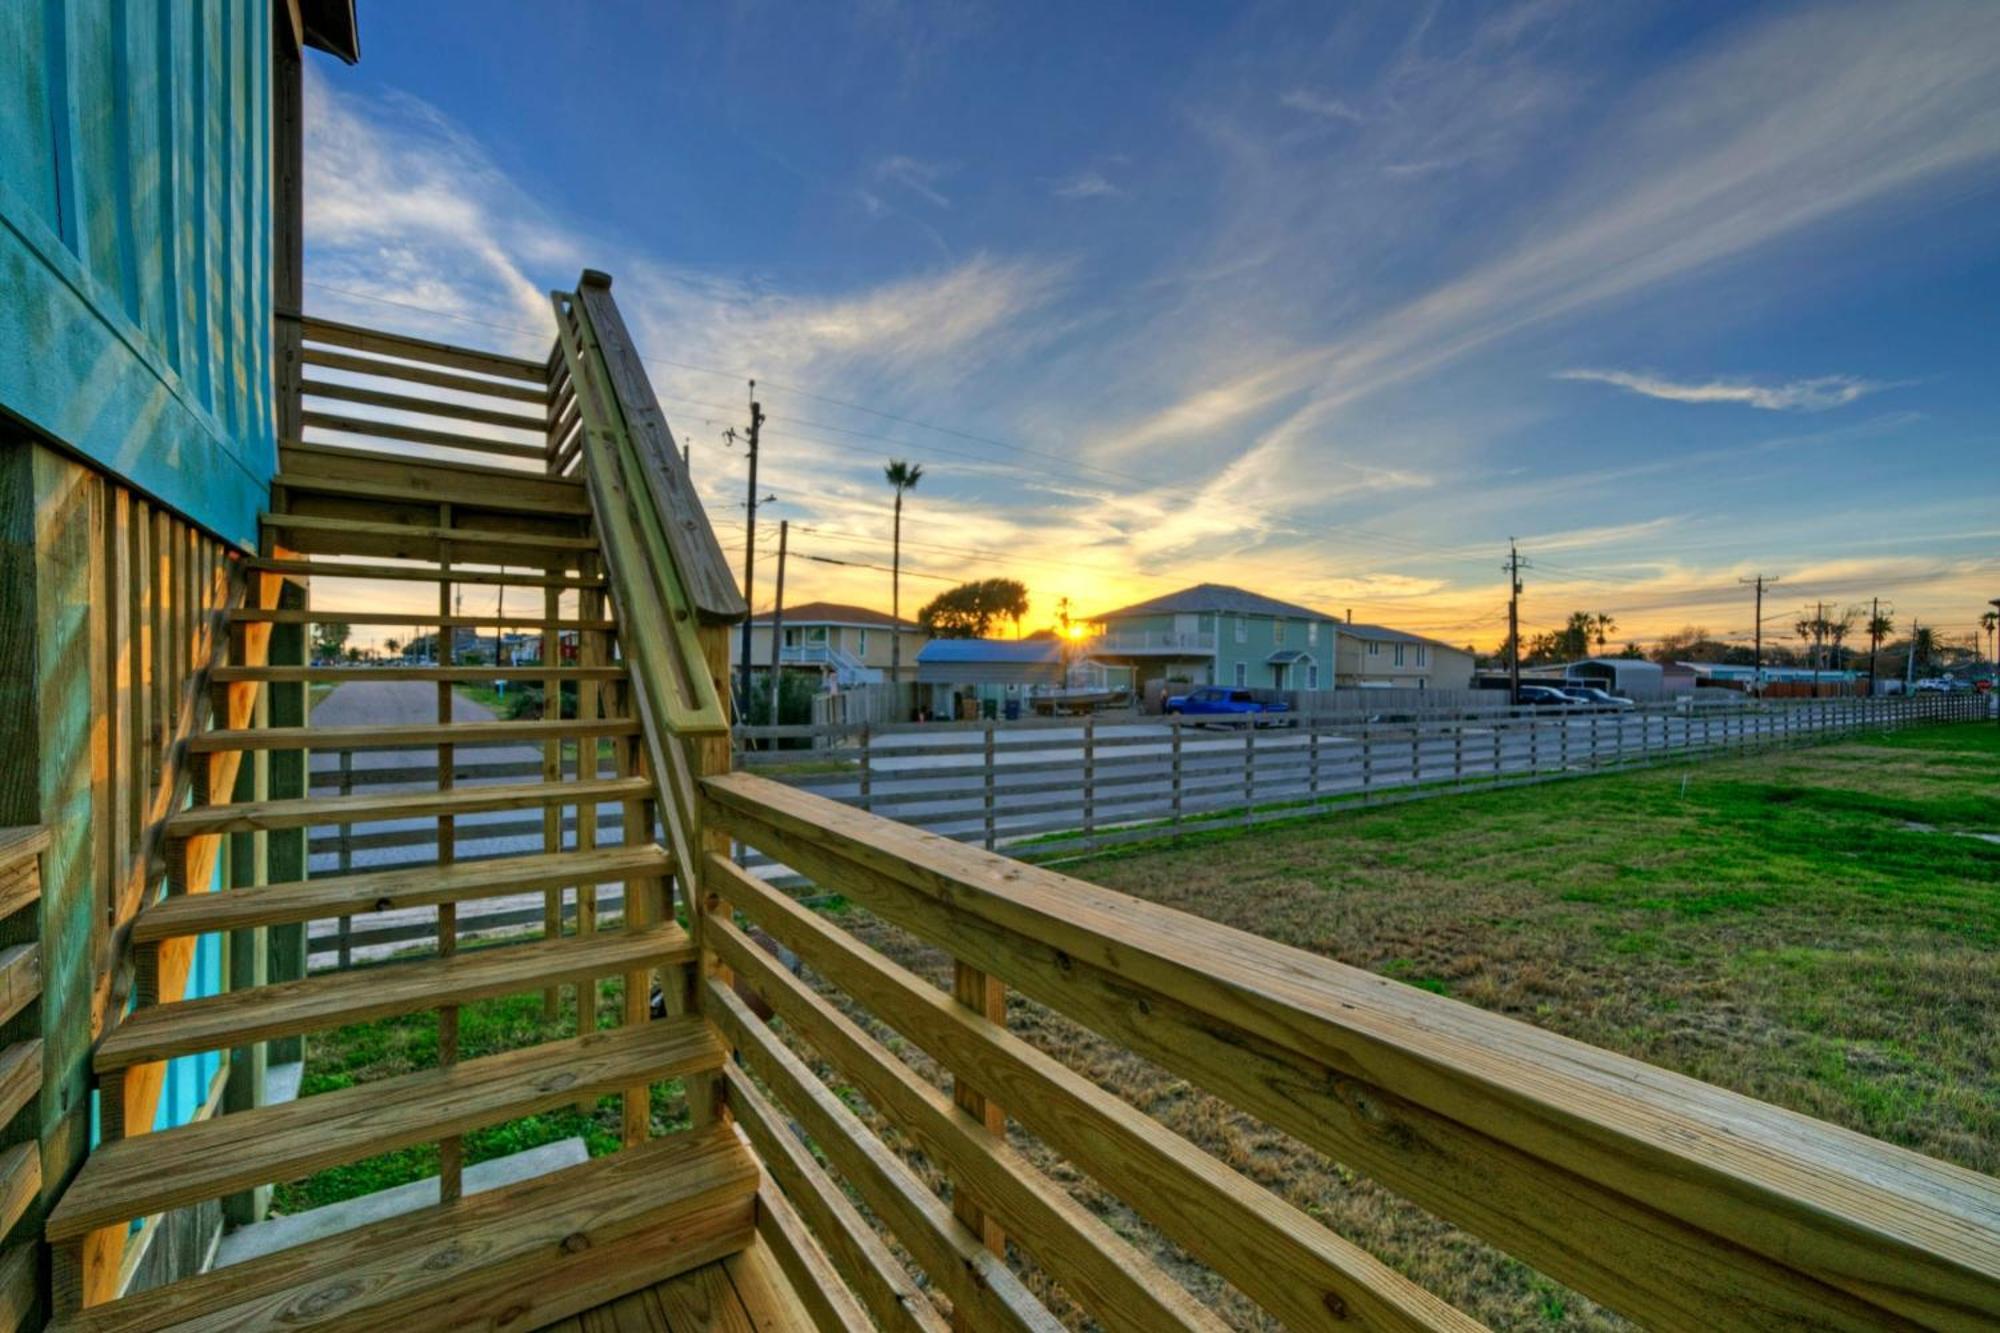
(1234, 705)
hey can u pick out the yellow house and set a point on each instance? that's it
(1379, 657)
(849, 645)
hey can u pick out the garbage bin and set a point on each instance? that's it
(968, 708)
(1013, 710)
(989, 709)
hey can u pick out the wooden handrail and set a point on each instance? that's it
(1673, 1201)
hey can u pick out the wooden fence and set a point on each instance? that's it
(1045, 788)
(1040, 789)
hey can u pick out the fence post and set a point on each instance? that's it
(1249, 770)
(1089, 777)
(867, 771)
(1367, 765)
(989, 786)
(1499, 748)
(1458, 754)
(1416, 754)
(1312, 761)
(1177, 768)
(346, 858)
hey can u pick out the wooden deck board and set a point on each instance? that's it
(253, 816)
(745, 1293)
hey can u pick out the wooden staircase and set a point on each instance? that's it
(378, 538)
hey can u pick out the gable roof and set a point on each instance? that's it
(1384, 634)
(1212, 598)
(961, 651)
(832, 613)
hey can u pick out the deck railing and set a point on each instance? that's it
(1672, 1201)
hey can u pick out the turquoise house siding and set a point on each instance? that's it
(1243, 643)
(135, 243)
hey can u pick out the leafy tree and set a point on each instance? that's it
(903, 476)
(330, 640)
(970, 610)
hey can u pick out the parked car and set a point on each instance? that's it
(1602, 701)
(1221, 701)
(1542, 696)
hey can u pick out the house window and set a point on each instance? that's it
(1312, 676)
(1312, 632)
(1374, 648)
(1277, 631)
(861, 643)
(1423, 653)
(1242, 633)
(792, 636)
(1399, 654)
(1242, 668)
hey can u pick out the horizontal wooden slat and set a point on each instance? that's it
(20, 1077)
(287, 1008)
(891, 1296)
(20, 886)
(389, 890)
(440, 439)
(525, 541)
(979, 1283)
(413, 737)
(19, 842)
(18, 1294)
(339, 674)
(1693, 1195)
(519, 1256)
(1278, 1256)
(1121, 1288)
(414, 374)
(20, 1182)
(254, 816)
(352, 616)
(208, 1159)
(20, 978)
(414, 574)
(787, 1280)
(402, 402)
(332, 333)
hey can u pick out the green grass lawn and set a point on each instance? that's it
(1807, 926)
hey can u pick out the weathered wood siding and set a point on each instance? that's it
(135, 243)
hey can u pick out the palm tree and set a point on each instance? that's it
(903, 476)
(1603, 624)
(1990, 622)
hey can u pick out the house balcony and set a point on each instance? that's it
(1149, 643)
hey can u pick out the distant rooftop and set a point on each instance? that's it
(1213, 598)
(1031, 651)
(833, 613)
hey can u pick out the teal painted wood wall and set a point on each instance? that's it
(135, 243)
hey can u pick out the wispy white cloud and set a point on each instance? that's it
(1086, 184)
(1315, 103)
(915, 175)
(1817, 394)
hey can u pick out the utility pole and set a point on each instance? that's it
(1819, 652)
(1874, 642)
(1757, 675)
(750, 538)
(1513, 568)
(1910, 659)
(778, 619)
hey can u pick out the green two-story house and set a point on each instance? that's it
(1213, 634)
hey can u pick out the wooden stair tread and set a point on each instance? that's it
(458, 536)
(250, 816)
(287, 1008)
(417, 574)
(208, 1159)
(244, 615)
(411, 736)
(293, 674)
(523, 1255)
(385, 890)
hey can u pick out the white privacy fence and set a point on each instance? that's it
(1040, 787)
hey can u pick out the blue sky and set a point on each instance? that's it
(1327, 301)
